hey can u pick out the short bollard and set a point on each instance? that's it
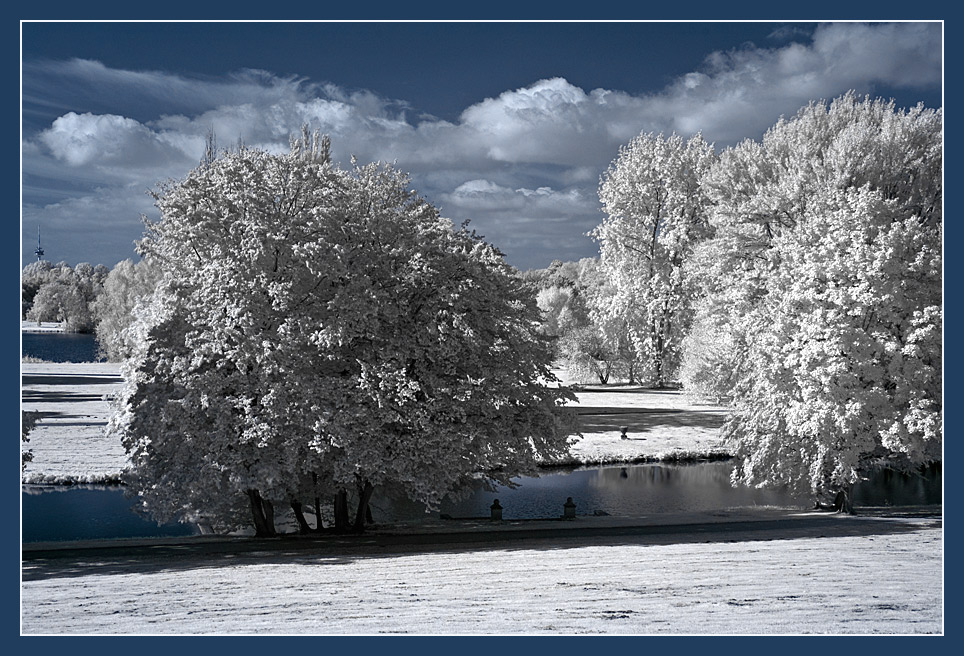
(496, 510)
(569, 509)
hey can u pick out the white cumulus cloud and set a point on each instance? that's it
(523, 165)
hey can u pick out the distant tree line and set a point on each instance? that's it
(61, 293)
(88, 299)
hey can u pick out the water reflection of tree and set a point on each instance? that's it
(655, 488)
(888, 487)
(701, 474)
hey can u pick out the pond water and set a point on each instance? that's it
(87, 512)
(60, 347)
(660, 488)
(633, 490)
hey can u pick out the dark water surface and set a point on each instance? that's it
(633, 490)
(60, 347)
(662, 488)
(89, 512)
(86, 512)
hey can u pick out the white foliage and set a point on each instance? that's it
(656, 213)
(825, 277)
(126, 285)
(317, 328)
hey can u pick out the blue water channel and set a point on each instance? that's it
(86, 512)
(89, 512)
(60, 347)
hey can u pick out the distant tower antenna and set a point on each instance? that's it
(39, 250)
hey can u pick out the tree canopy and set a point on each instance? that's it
(656, 214)
(61, 293)
(128, 284)
(317, 329)
(821, 313)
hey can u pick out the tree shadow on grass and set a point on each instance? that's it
(69, 380)
(40, 563)
(40, 396)
(608, 419)
(627, 389)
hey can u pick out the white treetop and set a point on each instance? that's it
(126, 285)
(824, 293)
(656, 213)
(318, 328)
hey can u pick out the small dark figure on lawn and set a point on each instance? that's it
(623, 435)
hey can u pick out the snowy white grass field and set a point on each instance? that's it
(886, 583)
(69, 444)
(880, 582)
(660, 425)
(41, 327)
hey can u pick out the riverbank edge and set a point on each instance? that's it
(569, 464)
(484, 530)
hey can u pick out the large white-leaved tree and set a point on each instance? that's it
(318, 330)
(822, 313)
(656, 214)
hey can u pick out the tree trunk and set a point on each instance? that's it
(303, 526)
(844, 502)
(363, 512)
(341, 511)
(263, 515)
(318, 523)
(314, 482)
(269, 514)
(658, 358)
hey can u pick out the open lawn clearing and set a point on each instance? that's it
(838, 575)
(661, 424)
(69, 444)
(41, 327)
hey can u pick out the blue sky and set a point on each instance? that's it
(509, 125)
